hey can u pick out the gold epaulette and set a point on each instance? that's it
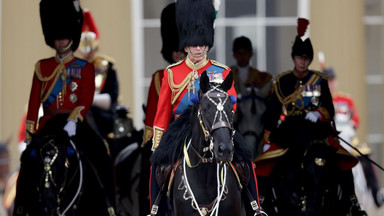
(278, 76)
(219, 64)
(174, 64)
(105, 57)
(322, 75)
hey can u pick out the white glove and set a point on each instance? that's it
(313, 116)
(102, 101)
(70, 128)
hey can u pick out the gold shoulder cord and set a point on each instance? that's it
(60, 69)
(296, 95)
(219, 64)
(44, 80)
(177, 89)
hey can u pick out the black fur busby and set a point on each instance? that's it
(302, 47)
(195, 19)
(61, 19)
(169, 32)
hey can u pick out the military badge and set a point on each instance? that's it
(74, 71)
(315, 101)
(215, 77)
(73, 98)
(73, 86)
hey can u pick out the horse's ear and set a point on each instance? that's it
(204, 82)
(227, 84)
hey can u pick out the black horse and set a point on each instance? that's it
(62, 176)
(203, 151)
(307, 179)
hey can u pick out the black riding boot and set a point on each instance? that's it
(348, 190)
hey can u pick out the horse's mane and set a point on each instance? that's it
(54, 125)
(172, 141)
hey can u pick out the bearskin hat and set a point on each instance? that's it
(61, 19)
(169, 32)
(195, 19)
(302, 47)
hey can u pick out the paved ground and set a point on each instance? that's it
(373, 211)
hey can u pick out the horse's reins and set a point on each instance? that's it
(221, 178)
(363, 155)
(48, 162)
(80, 180)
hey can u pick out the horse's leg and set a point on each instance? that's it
(144, 180)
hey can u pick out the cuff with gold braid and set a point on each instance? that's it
(29, 129)
(324, 114)
(75, 114)
(148, 132)
(158, 133)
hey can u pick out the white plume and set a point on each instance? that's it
(216, 4)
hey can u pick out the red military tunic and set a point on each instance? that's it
(61, 88)
(344, 105)
(179, 84)
(152, 100)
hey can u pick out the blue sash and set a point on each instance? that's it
(73, 69)
(213, 72)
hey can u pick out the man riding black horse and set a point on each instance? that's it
(64, 84)
(302, 96)
(195, 22)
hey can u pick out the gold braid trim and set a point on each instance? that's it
(288, 99)
(75, 114)
(29, 128)
(157, 137)
(296, 95)
(148, 132)
(60, 69)
(271, 154)
(178, 89)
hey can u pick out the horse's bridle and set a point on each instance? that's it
(48, 161)
(220, 120)
(220, 113)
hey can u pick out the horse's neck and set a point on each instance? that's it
(197, 144)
